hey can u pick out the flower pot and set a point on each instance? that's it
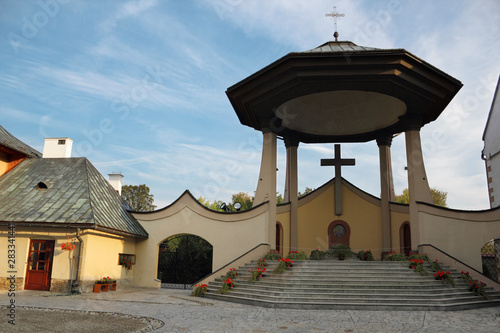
(341, 257)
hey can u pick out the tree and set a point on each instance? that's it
(244, 199)
(138, 197)
(438, 197)
(307, 190)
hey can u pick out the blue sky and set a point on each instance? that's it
(140, 86)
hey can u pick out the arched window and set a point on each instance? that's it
(339, 232)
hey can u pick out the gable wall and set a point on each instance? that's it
(231, 235)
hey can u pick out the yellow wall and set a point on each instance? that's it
(4, 161)
(231, 235)
(100, 254)
(363, 218)
(283, 216)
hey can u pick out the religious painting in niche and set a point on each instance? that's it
(339, 232)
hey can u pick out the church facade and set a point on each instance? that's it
(338, 92)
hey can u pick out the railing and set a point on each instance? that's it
(256, 253)
(448, 260)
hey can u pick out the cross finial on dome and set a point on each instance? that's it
(335, 14)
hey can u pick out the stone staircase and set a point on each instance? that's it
(351, 285)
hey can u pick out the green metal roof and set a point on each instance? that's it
(10, 141)
(77, 195)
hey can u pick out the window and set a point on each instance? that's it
(61, 142)
(126, 260)
(41, 186)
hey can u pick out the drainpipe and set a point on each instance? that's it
(78, 265)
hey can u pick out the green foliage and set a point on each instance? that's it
(231, 274)
(138, 198)
(445, 277)
(199, 290)
(418, 265)
(365, 255)
(244, 199)
(478, 288)
(226, 286)
(438, 197)
(273, 255)
(418, 256)
(435, 266)
(283, 265)
(307, 190)
(279, 198)
(393, 256)
(257, 273)
(337, 250)
(296, 255)
(317, 255)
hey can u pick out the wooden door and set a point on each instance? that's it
(339, 232)
(406, 239)
(39, 265)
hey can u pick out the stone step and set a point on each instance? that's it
(380, 306)
(351, 284)
(380, 298)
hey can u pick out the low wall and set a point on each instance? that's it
(461, 234)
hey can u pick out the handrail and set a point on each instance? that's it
(217, 271)
(466, 267)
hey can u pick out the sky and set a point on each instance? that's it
(140, 86)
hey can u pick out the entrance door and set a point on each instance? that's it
(339, 232)
(39, 265)
(406, 239)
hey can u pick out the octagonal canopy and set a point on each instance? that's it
(341, 92)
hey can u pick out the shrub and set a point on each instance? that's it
(273, 255)
(478, 288)
(227, 286)
(231, 274)
(393, 256)
(296, 255)
(262, 263)
(257, 273)
(418, 256)
(418, 265)
(317, 255)
(283, 265)
(199, 290)
(337, 250)
(365, 255)
(435, 266)
(445, 277)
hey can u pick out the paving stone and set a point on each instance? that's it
(182, 313)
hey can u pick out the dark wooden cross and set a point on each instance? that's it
(338, 162)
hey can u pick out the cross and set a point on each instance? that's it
(335, 14)
(338, 162)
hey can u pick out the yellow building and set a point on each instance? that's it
(63, 225)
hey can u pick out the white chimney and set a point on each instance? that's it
(115, 179)
(57, 147)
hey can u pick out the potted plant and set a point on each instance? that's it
(340, 251)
